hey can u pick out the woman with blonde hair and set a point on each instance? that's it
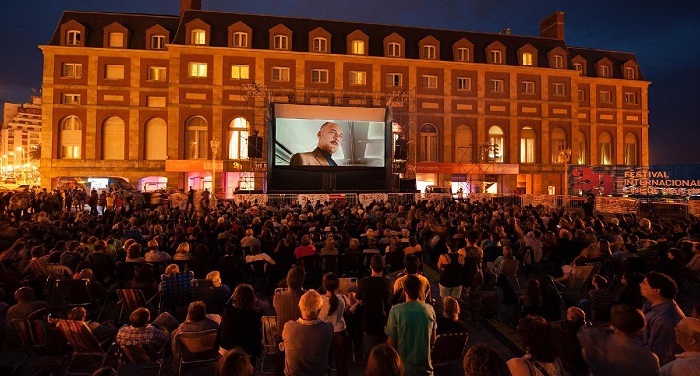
(183, 252)
(223, 292)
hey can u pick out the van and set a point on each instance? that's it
(437, 189)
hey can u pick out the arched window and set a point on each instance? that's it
(581, 143)
(527, 145)
(558, 143)
(238, 139)
(113, 132)
(70, 137)
(156, 139)
(496, 140)
(631, 149)
(428, 143)
(196, 138)
(463, 137)
(606, 149)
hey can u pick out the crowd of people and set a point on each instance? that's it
(286, 260)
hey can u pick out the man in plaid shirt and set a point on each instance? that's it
(140, 332)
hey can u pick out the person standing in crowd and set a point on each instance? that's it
(286, 304)
(241, 324)
(411, 329)
(540, 358)
(662, 315)
(307, 340)
(332, 311)
(450, 265)
(374, 296)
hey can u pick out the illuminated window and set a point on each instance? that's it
(240, 39)
(630, 73)
(116, 40)
(496, 86)
(630, 149)
(606, 151)
(73, 38)
(558, 61)
(604, 71)
(394, 79)
(558, 143)
(281, 42)
(280, 74)
(527, 145)
(156, 133)
(196, 140)
(320, 44)
(464, 83)
(195, 69)
(631, 98)
(319, 76)
(496, 139)
(240, 72)
(527, 58)
(394, 49)
(70, 98)
(496, 57)
(559, 89)
(71, 70)
(156, 74)
(429, 82)
(358, 78)
(157, 42)
(199, 37)
(528, 87)
(238, 139)
(357, 47)
(70, 138)
(429, 52)
(428, 143)
(463, 54)
(114, 72)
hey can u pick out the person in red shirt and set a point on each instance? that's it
(305, 249)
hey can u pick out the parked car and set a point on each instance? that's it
(10, 180)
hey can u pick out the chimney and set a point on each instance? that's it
(190, 5)
(553, 26)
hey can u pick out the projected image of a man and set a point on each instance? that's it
(329, 138)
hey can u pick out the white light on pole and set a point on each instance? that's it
(565, 154)
(214, 144)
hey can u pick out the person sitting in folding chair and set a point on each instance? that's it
(140, 332)
(197, 321)
(101, 332)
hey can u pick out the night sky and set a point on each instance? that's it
(663, 35)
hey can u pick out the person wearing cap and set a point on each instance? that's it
(688, 338)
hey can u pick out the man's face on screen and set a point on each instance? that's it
(329, 137)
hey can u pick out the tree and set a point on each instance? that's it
(35, 152)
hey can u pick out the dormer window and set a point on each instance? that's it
(157, 42)
(394, 50)
(463, 54)
(240, 39)
(527, 58)
(357, 47)
(73, 37)
(630, 73)
(604, 71)
(199, 37)
(320, 44)
(116, 40)
(429, 52)
(496, 57)
(558, 61)
(578, 67)
(281, 42)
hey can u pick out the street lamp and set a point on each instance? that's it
(565, 154)
(21, 161)
(14, 161)
(3, 164)
(214, 143)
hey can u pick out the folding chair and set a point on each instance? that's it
(131, 299)
(577, 285)
(350, 263)
(311, 269)
(329, 264)
(509, 268)
(176, 291)
(83, 342)
(76, 292)
(197, 348)
(57, 271)
(143, 356)
(32, 335)
(204, 290)
(449, 347)
(269, 340)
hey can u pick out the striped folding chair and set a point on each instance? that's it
(269, 340)
(197, 348)
(130, 300)
(143, 356)
(84, 343)
(32, 335)
(176, 291)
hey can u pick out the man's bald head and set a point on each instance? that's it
(575, 315)
(688, 334)
(330, 135)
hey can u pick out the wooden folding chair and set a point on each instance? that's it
(197, 348)
(84, 343)
(269, 340)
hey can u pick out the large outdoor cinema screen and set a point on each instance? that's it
(328, 142)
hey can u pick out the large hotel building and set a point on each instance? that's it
(141, 96)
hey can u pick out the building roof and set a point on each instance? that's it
(593, 56)
(137, 24)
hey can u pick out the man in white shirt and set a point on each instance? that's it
(687, 362)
